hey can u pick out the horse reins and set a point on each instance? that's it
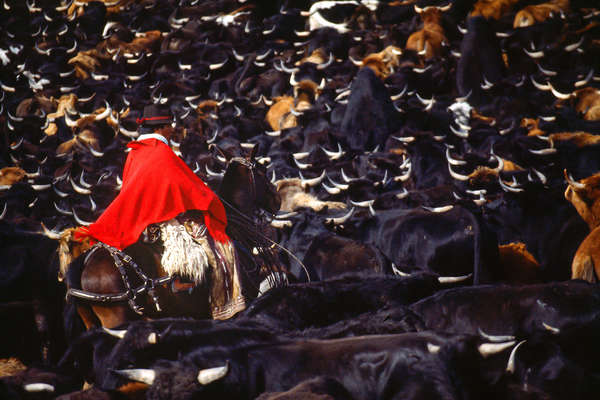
(121, 261)
(251, 167)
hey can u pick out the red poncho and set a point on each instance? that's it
(157, 186)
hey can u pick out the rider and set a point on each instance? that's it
(161, 194)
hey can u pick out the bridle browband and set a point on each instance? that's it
(121, 261)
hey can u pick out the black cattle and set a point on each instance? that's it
(541, 364)
(292, 308)
(320, 388)
(450, 243)
(331, 255)
(480, 58)
(38, 384)
(406, 366)
(507, 310)
(370, 115)
(31, 298)
(517, 217)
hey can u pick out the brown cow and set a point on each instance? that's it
(588, 103)
(518, 265)
(11, 175)
(294, 196)
(586, 262)
(585, 197)
(382, 63)
(282, 114)
(492, 9)
(533, 14)
(428, 41)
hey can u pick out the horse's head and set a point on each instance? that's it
(246, 186)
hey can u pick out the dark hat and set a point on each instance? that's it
(155, 115)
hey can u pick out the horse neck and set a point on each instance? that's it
(234, 191)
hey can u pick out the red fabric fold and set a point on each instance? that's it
(157, 186)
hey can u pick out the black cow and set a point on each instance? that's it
(405, 366)
(480, 58)
(507, 310)
(370, 115)
(449, 243)
(31, 298)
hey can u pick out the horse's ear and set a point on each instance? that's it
(253, 152)
(220, 151)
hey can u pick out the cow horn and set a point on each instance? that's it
(534, 54)
(572, 182)
(281, 223)
(453, 161)
(355, 62)
(539, 85)
(558, 94)
(213, 67)
(586, 79)
(453, 279)
(574, 46)
(441, 210)
(38, 387)
(541, 176)
(342, 219)
(489, 349)
(146, 376)
(418, 9)
(47, 232)
(293, 80)
(3, 214)
(322, 84)
(79, 220)
(212, 173)
(333, 155)
(508, 188)
(286, 69)
(327, 63)
(209, 375)
(78, 188)
(261, 57)
(550, 328)
(118, 333)
(399, 95)
(398, 272)
(445, 8)
(331, 190)
(495, 338)
(500, 161)
(510, 366)
(457, 176)
(546, 72)
(313, 181)
(286, 215)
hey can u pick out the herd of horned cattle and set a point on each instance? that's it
(435, 161)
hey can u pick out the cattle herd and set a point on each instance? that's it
(435, 161)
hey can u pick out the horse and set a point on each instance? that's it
(108, 294)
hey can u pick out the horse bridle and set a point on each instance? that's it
(121, 260)
(251, 166)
